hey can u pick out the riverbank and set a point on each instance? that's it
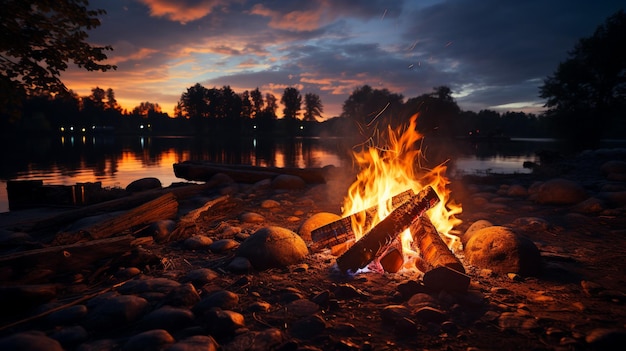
(187, 294)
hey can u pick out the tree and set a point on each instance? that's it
(194, 102)
(371, 109)
(292, 102)
(312, 107)
(39, 39)
(588, 89)
(438, 113)
(111, 103)
(257, 101)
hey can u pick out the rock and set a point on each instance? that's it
(476, 226)
(168, 318)
(68, 315)
(308, 327)
(394, 313)
(270, 204)
(223, 299)
(501, 250)
(198, 242)
(606, 339)
(239, 265)
(273, 247)
(302, 308)
(200, 276)
(144, 184)
(251, 217)
(269, 339)
(615, 198)
(114, 312)
(429, 314)
(30, 341)
(70, 337)
(195, 343)
(286, 181)
(517, 322)
(560, 192)
(533, 224)
(613, 167)
(445, 278)
(517, 190)
(315, 221)
(184, 295)
(224, 322)
(150, 340)
(223, 245)
(590, 206)
(161, 230)
(138, 286)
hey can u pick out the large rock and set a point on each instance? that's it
(560, 192)
(286, 181)
(475, 227)
(315, 221)
(501, 250)
(143, 184)
(273, 247)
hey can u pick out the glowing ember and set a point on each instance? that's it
(390, 169)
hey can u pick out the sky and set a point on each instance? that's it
(493, 54)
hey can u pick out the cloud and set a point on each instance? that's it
(182, 11)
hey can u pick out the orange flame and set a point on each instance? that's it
(388, 170)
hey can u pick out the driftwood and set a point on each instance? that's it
(72, 257)
(54, 222)
(188, 221)
(203, 171)
(164, 207)
(375, 242)
(340, 231)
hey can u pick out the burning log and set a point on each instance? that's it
(431, 247)
(340, 231)
(372, 244)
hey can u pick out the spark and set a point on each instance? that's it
(448, 43)
(384, 14)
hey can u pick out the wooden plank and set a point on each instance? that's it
(372, 244)
(202, 171)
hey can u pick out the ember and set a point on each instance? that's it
(389, 177)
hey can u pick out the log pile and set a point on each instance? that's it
(442, 269)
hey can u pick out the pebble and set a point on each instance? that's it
(156, 339)
(198, 242)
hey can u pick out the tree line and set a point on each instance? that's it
(585, 96)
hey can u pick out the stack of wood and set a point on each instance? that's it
(442, 269)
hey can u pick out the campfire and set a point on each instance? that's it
(397, 214)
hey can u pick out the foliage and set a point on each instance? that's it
(586, 95)
(292, 102)
(39, 39)
(313, 107)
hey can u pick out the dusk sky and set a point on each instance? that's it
(493, 54)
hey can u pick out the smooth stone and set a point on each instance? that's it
(239, 265)
(270, 204)
(223, 245)
(606, 339)
(317, 220)
(198, 242)
(200, 276)
(184, 295)
(68, 315)
(475, 227)
(115, 311)
(223, 299)
(273, 247)
(168, 318)
(156, 339)
(393, 313)
(517, 190)
(138, 286)
(302, 308)
(224, 322)
(161, 230)
(269, 339)
(70, 337)
(251, 217)
(195, 343)
(143, 184)
(501, 250)
(428, 314)
(308, 327)
(560, 192)
(30, 341)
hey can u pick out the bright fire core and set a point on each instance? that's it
(389, 169)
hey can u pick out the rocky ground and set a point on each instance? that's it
(196, 293)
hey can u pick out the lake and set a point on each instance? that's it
(116, 161)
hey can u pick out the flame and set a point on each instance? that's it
(385, 171)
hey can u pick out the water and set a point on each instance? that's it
(117, 161)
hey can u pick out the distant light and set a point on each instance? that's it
(62, 129)
(301, 127)
(83, 129)
(254, 126)
(141, 126)
(72, 128)
(93, 127)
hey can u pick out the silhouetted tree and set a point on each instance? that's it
(589, 88)
(312, 107)
(111, 103)
(38, 40)
(438, 113)
(372, 109)
(257, 102)
(246, 105)
(292, 102)
(193, 102)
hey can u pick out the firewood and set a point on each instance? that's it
(431, 246)
(341, 231)
(372, 244)
(188, 221)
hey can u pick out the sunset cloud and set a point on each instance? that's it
(182, 11)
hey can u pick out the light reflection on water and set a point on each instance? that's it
(116, 162)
